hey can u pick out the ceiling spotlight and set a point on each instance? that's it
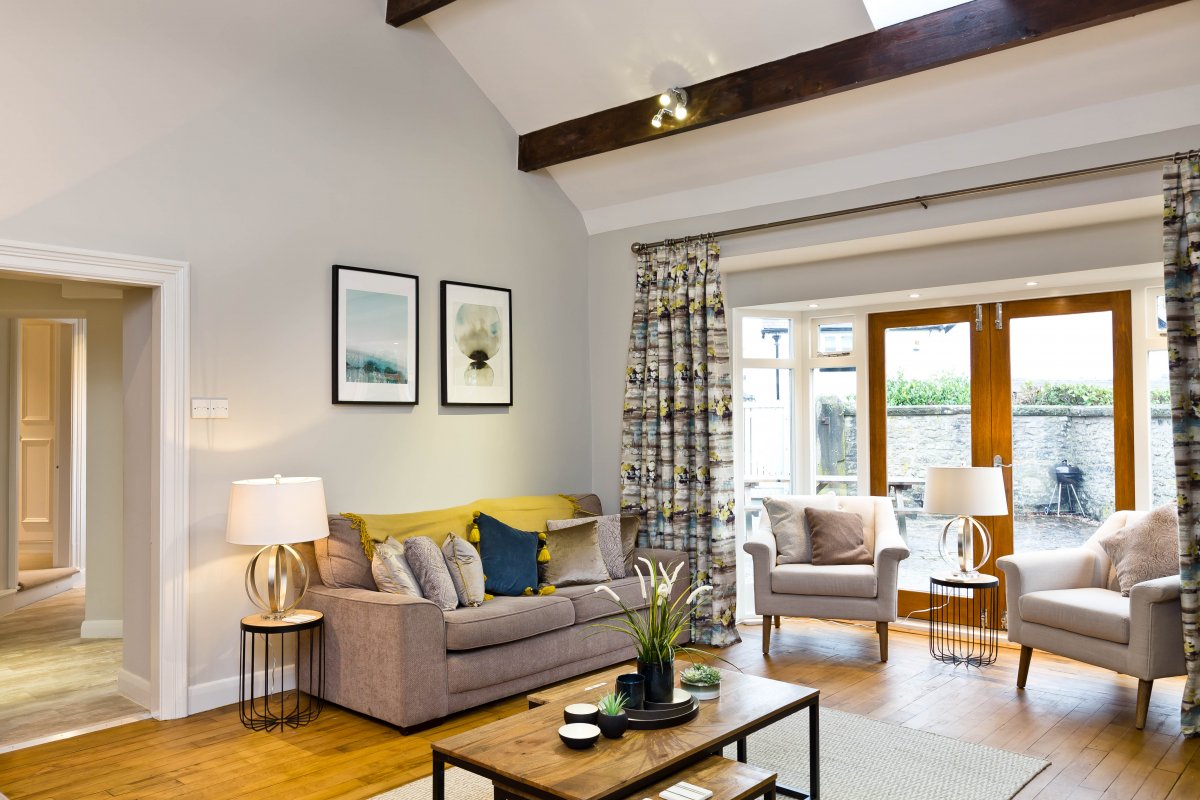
(915, 295)
(673, 95)
(1031, 283)
(814, 305)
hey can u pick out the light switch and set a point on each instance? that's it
(201, 408)
(218, 407)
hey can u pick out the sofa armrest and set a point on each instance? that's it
(890, 550)
(761, 547)
(1159, 590)
(1156, 648)
(385, 653)
(889, 545)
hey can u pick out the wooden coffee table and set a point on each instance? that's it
(524, 758)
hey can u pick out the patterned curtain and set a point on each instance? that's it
(1181, 261)
(677, 442)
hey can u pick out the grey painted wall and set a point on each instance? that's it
(263, 146)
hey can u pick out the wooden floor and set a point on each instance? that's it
(1077, 717)
(52, 681)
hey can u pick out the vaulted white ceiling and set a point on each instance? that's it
(546, 61)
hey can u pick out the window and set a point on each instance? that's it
(766, 337)
(835, 430)
(767, 437)
(833, 338)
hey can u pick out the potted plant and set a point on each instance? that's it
(655, 630)
(701, 681)
(613, 721)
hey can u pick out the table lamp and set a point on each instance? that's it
(965, 492)
(276, 513)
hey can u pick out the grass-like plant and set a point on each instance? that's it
(655, 630)
(701, 675)
(612, 704)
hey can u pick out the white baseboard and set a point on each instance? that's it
(135, 687)
(102, 629)
(224, 692)
(8, 604)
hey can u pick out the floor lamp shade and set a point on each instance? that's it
(967, 493)
(276, 513)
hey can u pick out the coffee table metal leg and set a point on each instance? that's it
(814, 760)
(439, 777)
(743, 750)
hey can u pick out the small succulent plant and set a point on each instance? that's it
(701, 675)
(612, 704)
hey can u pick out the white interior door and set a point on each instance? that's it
(38, 422)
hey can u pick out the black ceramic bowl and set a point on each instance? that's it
(579, 735)
(581, 712)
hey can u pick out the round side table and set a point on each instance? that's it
(964, 613)
(265, 704)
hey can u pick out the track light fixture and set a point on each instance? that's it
(676, 96)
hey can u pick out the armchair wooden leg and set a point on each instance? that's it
(766, 634)
(1143, 702)
(1023, 667)
(881, 629)
(777, 621)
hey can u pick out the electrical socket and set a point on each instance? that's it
(218, 407)
(201, 408)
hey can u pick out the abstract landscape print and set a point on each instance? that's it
(375, 336)
(476, 345)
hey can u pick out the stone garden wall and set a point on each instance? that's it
(1042, 437)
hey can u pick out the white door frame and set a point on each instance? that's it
(169, 584)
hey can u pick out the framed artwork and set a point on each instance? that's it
(476, 345)
(374, 336)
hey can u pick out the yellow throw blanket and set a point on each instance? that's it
(523, 513)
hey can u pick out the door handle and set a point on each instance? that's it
(998, 462)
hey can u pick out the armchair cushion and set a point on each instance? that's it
(1145, 549)
(1098, 613)
(792, 537)
(840, 580)
(837, 537)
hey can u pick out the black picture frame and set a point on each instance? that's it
(372, 320)
(456, 362)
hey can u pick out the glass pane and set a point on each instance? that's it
(835, 430)
(767, 441)
(1063, 461)
(1162, 446)
(765, 337)
(928, 370)
(1160, 313)
(835, 338)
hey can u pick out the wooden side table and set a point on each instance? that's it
(963, 618)
(264, 668)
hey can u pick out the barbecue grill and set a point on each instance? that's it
(1067, 480)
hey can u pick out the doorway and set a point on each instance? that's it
(1041, 386)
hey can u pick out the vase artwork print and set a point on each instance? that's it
(476, 345)
(374, 336)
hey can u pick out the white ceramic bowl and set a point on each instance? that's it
(581, 712)
(579, 735)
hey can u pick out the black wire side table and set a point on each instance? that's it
(263, 668)
(963, 619)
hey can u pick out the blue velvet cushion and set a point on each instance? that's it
(509, 557)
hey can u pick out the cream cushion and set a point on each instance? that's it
(793, 539)
(1144, 549)
(391, 572)
(835, 580)
(1098, 613)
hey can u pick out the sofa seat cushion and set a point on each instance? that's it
(1098, 613)
(506, 619)
(833, 580)
(591, 605)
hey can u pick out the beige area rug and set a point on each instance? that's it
(861, 759)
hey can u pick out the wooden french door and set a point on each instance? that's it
(946, 386)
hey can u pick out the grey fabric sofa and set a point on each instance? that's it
(405, 661)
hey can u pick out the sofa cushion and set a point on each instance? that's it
(428, 565)
(1098, 613)
(391, 571)
(608, 538)
(835, 580)
(340, 557)
(592, 605)
(793, 540)
(837, 537)
(509, 555)
(1145, 549)
(506, 619)
(575, 556)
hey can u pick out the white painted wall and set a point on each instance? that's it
(611, 267)
(263, 144)
(104, 518)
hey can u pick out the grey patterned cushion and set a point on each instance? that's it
(1146, 549)
(608, 535)
(793, 541)
(429, 566)
(466, 570)
(575, 556)
(390, 569)
(630, 523)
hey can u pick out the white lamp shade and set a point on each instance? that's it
(965, 491)
(276, 511)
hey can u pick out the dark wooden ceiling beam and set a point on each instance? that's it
(402, 12)
(945, 37)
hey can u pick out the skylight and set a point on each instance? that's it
(889, 12)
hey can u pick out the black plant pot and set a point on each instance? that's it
(660, 680)
(613, 726)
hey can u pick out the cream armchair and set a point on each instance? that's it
(1067, 602)
(858, 592)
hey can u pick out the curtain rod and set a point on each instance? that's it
(639, 247)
